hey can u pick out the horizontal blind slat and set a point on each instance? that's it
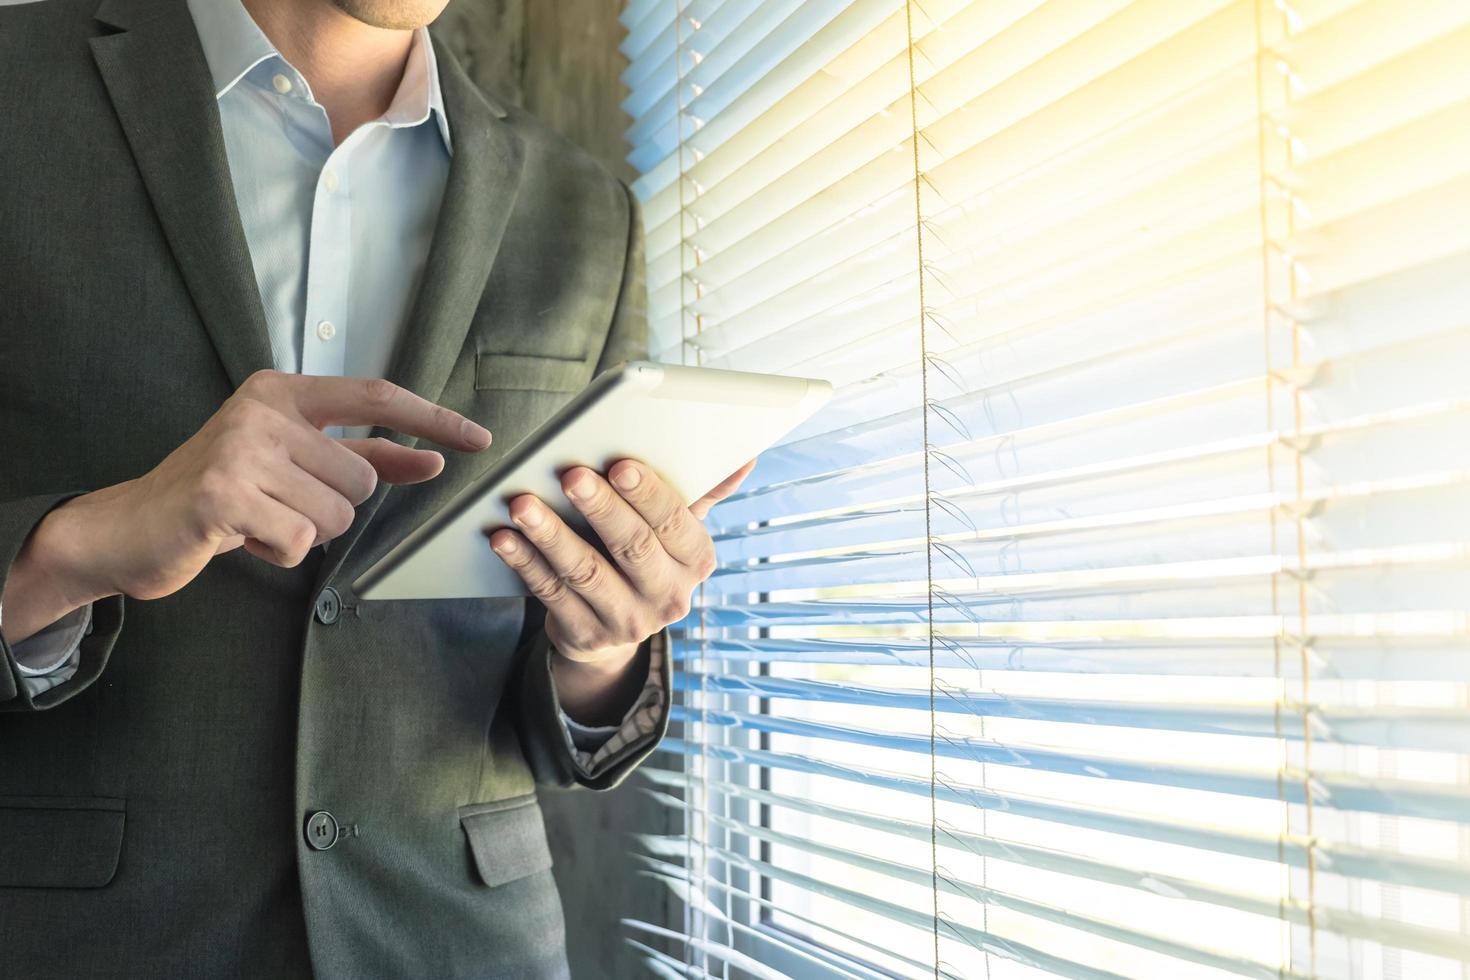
(1349, 860)
(1380, 655)
(1340, 791)
(1429, 728)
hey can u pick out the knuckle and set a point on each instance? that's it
(586, 573)
(707, 562)
(240, 458)
(673, 609)
(444, 420)
(215, 493)
(632, 628)
(549, 589)
(243, 413)
(235, 458)
(343, 515)
(299, 542)
(378, 391)
(303, 533)
(673, 523)
(639, 549)
(367, 480)
(262, 382)
(590, 638)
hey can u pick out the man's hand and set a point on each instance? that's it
(599, 611)
(260, 473)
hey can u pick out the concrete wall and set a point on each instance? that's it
(559, 59)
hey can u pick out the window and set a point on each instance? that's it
(1114, 619)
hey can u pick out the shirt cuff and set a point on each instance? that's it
(592, 746)
(51, 657)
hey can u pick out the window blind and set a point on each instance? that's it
(1114, 619)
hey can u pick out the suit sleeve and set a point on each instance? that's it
(549, 746)
(17, 519)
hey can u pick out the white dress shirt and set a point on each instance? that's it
(338, 237)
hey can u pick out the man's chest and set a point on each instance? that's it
(338, 235)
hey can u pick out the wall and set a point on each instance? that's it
(559, 59)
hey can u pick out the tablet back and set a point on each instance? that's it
(692, 426)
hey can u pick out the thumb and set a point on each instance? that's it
(727, 486)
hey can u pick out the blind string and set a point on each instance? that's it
(1299, 510)
(697, 815)
(928, 502)
(1272, 515)
(1273, 312)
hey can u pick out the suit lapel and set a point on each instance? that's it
(160, 87)
(484, 176)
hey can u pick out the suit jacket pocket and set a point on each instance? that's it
(59, 842)
(528, 372)
(507, 838)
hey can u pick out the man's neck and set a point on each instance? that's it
(353, 69)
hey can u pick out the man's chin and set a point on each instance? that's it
(393, 15)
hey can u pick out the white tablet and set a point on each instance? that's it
(692, 426)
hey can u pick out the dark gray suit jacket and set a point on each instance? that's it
(152, 808)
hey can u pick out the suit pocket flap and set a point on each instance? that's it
(507, 838)
(524, 372)
(56, 843)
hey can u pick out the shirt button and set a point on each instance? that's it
(282, 84)
(328, 606)
(321, 830)
(330, 182)
(326, 330)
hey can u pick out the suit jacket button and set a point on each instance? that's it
(328, 606)
(321, 830)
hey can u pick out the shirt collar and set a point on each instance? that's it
(234, 44)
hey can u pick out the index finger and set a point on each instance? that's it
(376, 401)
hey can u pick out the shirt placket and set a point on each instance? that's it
(329, 263)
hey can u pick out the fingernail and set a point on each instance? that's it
(505, 547)
(475, 435)
(531, 517)
(580, 489)
(627, 478)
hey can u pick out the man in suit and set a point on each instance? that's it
(222, 227)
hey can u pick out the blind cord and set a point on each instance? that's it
(928, 524)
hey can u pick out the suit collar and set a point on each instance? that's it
(232, 42)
